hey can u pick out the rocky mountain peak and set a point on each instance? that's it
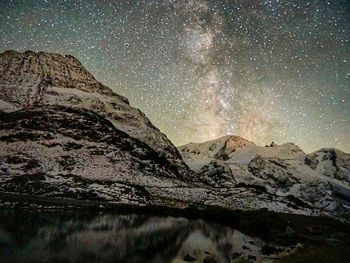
(32, 79)
(26, 76)
(225, 144)
(232, 144)
(232, 141)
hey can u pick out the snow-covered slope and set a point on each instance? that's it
(330, 162)
(199, 154)
(234, 149)
(62, 152)
(32, 79)
(56, 151)
(318, 181)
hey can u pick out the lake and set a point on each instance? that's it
(90, 236)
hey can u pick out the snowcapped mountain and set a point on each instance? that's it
(64, 134)
(199, 154)
(234, 149)
(284, 173)
(330, 162)
(65, 138)
(32, 79)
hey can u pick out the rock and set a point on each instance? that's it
(209, 260)
(270, 249)
(251, 257)
(236, 255)
(289, 231)
(189, 258)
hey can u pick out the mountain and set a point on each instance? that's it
(32, 79)
(284, 173)
(68, 140)
(58, 151)
(65, 135)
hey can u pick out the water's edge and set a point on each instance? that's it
(268, 232)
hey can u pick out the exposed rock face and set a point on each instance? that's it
(32, 79)
(330, 162)
(284, 173)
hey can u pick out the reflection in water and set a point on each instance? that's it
(89, 237)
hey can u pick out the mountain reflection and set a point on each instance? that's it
(86, 237)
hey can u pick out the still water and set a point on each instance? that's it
(33, 236)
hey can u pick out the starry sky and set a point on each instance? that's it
(267, 70)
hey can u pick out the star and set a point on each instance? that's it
(267, 70)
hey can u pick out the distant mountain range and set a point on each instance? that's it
(282, 173)
(66, 139)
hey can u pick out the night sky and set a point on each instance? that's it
(272, 70)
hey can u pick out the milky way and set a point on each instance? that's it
(270, 70)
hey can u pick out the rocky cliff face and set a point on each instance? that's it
(33, 79)
(284, 173)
